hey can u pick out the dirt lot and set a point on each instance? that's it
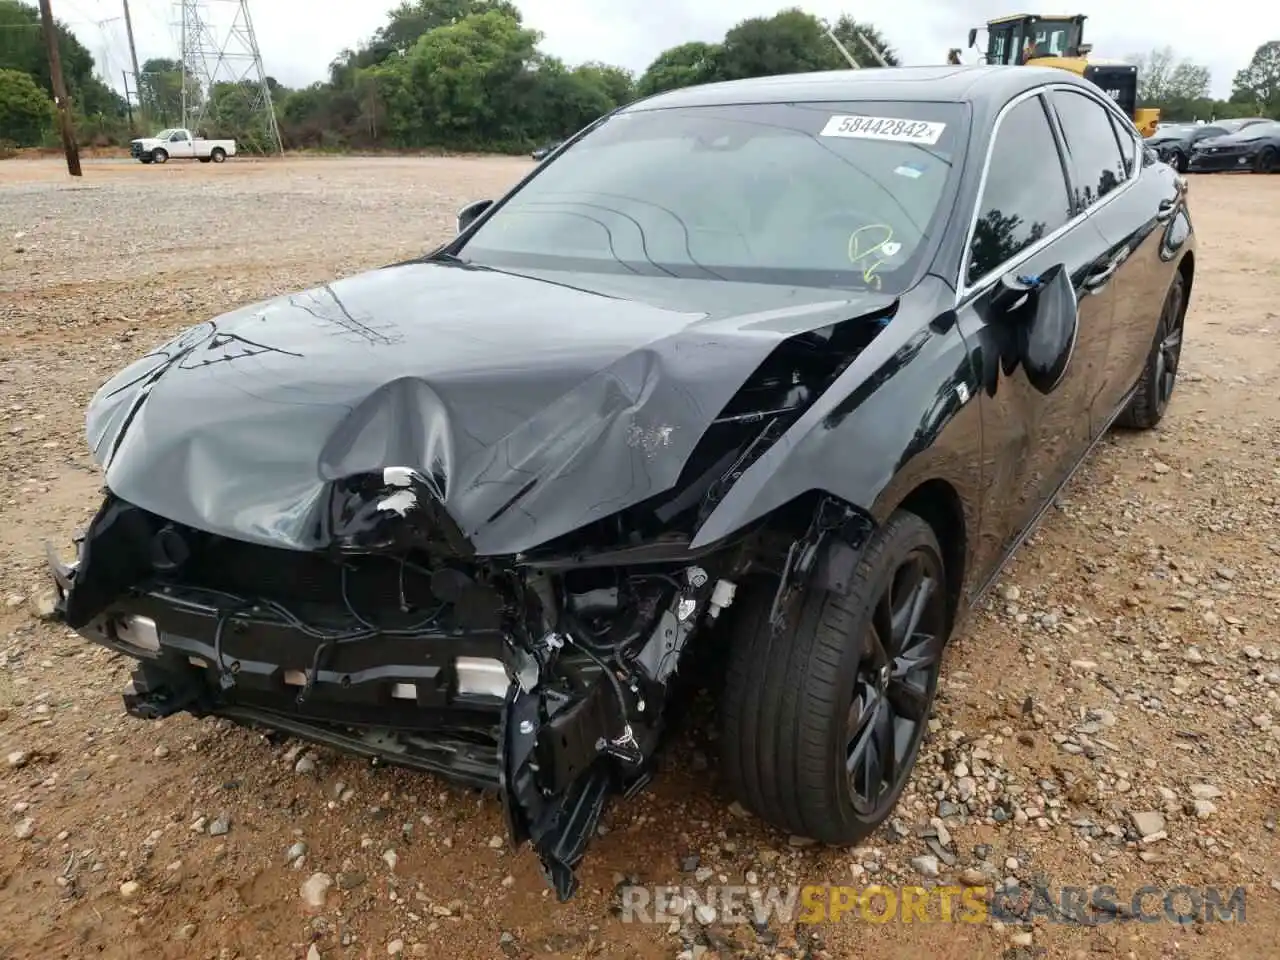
(1129, 662)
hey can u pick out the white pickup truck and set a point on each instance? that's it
(178, 144)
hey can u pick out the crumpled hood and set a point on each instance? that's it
(574, 402)
(1240, 138)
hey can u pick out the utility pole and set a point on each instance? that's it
(60, 90)
(133, 55)
(128, 104)
(853, 64)
(876, 54)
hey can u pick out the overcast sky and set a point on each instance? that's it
(300, 37)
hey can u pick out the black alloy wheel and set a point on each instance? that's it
(1169, 347)
(1268, 161)
(1160, 373)
(825, 707)
(896, 681)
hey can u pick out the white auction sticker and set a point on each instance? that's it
(884, 128)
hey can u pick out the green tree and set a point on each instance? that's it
(791, 41)
(1163, 78)
(618, 83)
(26, 112)
(160, 91)
(22, 48)
(459, 83)
(852, 34)
(681, 66)
(405, 25)
(1259, 82)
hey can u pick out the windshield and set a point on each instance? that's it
(1050, 38)
(163, 134)
(1267, 128)
(823, 194)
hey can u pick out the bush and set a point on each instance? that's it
(25, 112)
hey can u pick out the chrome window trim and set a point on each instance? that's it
(965, 290)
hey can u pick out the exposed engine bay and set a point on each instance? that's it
(545, 674)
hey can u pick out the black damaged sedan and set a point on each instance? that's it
(1256, 147)
(754, 385)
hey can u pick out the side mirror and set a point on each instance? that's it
(1042, 315)
(973, 37)
(471, 213)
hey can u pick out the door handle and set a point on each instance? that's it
(1097, 280)
(1165, 210)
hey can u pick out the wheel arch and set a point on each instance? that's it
(938, 503)
(1187, 267)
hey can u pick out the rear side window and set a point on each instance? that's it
(1025, 195)
(1126, 141)
(1096, 162)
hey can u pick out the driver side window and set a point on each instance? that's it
(176, 138)
(1025, 195)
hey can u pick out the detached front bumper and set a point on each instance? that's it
(435, 704)
(462, 705)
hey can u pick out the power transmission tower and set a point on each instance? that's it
(212, 57)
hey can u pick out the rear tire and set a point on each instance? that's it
(160, 156)
(1160, 373)
(218, 155)
(822, 719)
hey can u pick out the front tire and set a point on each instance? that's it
(160, 156)
(1160, 373)
(823, 718)
(1268, 161)
(1178, 160)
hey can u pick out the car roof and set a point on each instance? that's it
(983, 84)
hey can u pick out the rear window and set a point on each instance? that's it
(841, 194)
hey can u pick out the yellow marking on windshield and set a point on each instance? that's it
(857, 255)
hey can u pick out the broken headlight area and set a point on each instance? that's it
(546, 684)
(546, 675)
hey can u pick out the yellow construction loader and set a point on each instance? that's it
(1057, 41)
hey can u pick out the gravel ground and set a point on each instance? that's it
(1112, 717)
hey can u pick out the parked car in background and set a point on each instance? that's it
(178, 144)
(1256, 147)
(758, 383)
(1174, 142)
(542, 152)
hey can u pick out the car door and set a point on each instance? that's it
(1129, 205)
(1026, 223)
(180, 145)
